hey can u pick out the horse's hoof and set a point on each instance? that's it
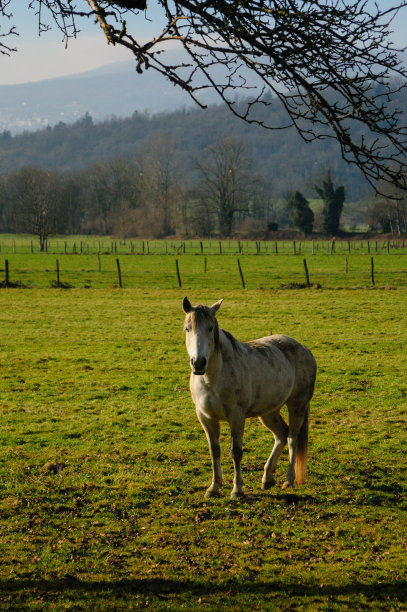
(268, 484)
(288, 485)
(236, 494)
(209, 493)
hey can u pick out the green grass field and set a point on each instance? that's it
(104, 465)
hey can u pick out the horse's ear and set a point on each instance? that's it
(215, 307)
(186, 305)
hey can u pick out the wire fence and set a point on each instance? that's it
(245, 271)
(90, 245)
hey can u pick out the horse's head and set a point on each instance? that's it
(201, 334)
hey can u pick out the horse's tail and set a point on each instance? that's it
(302, 451)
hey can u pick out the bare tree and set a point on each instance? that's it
(330, 63)
(226, 182)
(160, 182)
(37, 203)
(389, 214)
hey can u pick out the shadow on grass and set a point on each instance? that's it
(71, 586)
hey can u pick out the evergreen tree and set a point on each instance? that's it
(333, 200)
(302, 215)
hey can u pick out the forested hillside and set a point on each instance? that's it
(190, 172)
(286, 159)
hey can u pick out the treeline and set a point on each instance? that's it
(159, 192)
(155, 193)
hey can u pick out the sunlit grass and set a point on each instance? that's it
(103, 464)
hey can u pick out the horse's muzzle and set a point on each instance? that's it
(198, 365)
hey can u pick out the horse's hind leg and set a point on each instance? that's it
(279, 427)
(297, 444)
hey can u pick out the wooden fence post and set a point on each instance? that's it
(306, 272)
(178, 275)
(205, 264)
(119, 273)
(241, 274)
(6, 279)
(346, 264)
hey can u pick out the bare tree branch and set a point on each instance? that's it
(330, 64)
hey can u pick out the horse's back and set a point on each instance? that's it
(302, 361)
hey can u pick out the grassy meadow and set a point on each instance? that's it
(92, 263)
(103, 464)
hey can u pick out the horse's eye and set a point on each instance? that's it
(187, 329)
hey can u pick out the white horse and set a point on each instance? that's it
(232, 380)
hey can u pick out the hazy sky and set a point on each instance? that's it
(46, 56)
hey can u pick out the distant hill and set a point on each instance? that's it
(281, 155)
(115, 89)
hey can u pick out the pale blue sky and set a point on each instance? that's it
(46, 57)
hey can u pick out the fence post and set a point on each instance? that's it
(346, 264)
(7, 280)
(295, 250)
(306, 272)
(241, 274)
(119, 273)
(178, 275)
(205, 264)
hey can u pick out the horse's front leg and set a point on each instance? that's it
(236, 451)
(212, 431)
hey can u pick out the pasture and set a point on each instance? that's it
(104, 465)
(92, 263)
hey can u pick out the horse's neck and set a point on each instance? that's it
(214, 369)
(227, 351)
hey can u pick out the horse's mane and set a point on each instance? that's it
(232, 340)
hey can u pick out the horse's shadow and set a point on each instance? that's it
(249, 497)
